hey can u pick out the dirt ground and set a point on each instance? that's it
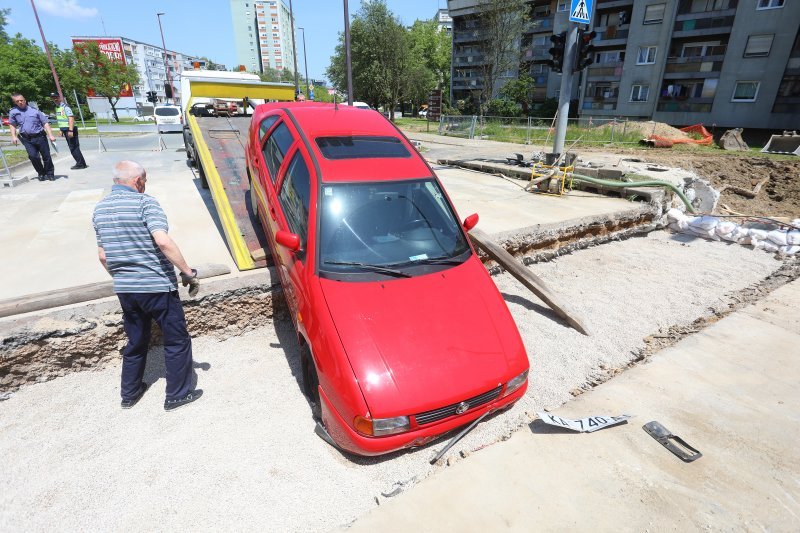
(779, 197)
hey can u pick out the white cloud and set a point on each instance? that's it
(67, 9)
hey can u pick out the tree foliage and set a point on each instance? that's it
(500, 21)
(520, 91)
(4, 13)
(105, 77)
(24, 69)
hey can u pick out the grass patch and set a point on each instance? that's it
(14, 157)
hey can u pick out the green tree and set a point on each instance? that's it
(501, 21)
(4, 13)
(24, 69)
(520, 91)
(274, 75)
(379, 55)
(105, 77)
(431, 49)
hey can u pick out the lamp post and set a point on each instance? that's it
(305, 61)
(348, 66)
(294, 50)
(166, 66)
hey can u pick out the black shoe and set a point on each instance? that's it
(41, 177)
(171, 405)
(78, 167)
(127, 404)
(51, 177)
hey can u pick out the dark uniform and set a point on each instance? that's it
(63, 116)
(30, 125)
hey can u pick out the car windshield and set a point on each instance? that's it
(380, 226)
(167, 111)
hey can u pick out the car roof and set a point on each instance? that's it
(316, 119)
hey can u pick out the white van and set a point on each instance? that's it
(169, 118)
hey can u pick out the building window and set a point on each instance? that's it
(745, 91)
(562, 6)
(700, 6)
(758, 45)
(639, 93)
(654, 14)
(769, 4)
(647, 55)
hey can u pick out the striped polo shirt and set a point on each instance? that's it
(123, 223)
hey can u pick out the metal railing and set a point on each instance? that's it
(109, 135)
(540, 131)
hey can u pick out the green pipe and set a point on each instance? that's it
(646, 183)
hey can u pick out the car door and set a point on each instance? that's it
(295, 198)
(276, 145)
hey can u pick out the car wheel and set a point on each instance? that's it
(311, 382)
(202, 173)
(187, 142)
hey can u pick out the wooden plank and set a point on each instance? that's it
(527, 278)
(83, 293)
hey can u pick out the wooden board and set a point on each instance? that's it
(527, 278)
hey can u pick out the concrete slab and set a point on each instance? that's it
(47, 225)
(730, 391)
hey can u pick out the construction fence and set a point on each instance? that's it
(540, 131)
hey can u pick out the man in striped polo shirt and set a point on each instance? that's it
(134, 247)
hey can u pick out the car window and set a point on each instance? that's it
(361, 146)
(167, 111)
(275, 149)
(266, 124)
(295, 196)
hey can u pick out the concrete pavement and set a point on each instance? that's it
(729, 390)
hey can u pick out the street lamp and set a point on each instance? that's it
(305, 61)
(348, 66)
(47, 50)
(166, 67)
(294, 50)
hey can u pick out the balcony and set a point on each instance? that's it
(605, 70)
(611, 35)
(540, 24)
(701, 26)
(608, 104)
(612, 4)
(469, 36)
(684, 105)
(694, 67)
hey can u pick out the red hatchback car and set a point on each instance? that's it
(403, 334)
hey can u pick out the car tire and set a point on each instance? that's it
(311, 382)
(203, 180)
(191, 158)
(253, 199)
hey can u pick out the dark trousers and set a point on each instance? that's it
(138, 310)
(39, 154)
(74, 146)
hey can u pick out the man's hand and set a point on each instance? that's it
(70, 133)
(14, 141)
(53, 139)
(192, 282)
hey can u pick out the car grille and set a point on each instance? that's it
(443, 412)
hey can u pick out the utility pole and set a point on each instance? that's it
(166, 66)
(294, 52)
(566, 89)
(49, 57)
(348, 65)
(305, 61)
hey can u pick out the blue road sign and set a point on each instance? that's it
(580, 11)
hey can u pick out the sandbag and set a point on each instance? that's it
(705, 222)
(778, 237)
(793, 237)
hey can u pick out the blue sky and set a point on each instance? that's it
(204, 29)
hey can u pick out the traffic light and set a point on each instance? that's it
(583, 58)
(557, 51)
(152, 96)
(168, 90)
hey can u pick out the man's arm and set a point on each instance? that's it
(172, 252)
(13, 133)
(101, 254)
(49, 131)
(71, 125)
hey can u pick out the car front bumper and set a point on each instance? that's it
(351, 441)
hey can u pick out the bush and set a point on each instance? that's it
(502, 107)
(546, 109)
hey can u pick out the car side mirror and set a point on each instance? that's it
(471, 221)
(288, 240)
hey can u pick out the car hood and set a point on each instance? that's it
(420, 343)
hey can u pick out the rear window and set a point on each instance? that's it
(167, 111)
(360, 147)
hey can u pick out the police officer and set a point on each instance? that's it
(69, 130)
(29, 126)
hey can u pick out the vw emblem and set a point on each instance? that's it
(462, 408)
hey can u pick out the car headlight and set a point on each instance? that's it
(379, 427)
(516, 383)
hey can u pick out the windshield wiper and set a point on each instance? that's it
(369, 266)
(441, 260)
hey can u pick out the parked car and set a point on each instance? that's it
(144, 118)
(5, 121)
(169, 118)
(403, 335)
(361, 105)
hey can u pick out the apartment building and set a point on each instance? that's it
(731, 63)
(263, 35)
(150, 63)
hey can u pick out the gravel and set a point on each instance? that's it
(245, 455)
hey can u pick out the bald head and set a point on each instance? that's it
(130, 173)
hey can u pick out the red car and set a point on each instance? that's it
(403, 334)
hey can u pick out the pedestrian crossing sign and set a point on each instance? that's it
(581, 11)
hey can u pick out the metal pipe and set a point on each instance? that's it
(305, 62)
(47, 50)
(458, 437)
(78, 103)
(166, 66)
(348, 65)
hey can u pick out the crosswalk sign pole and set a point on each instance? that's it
(566, 89)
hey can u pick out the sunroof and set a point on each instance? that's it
(361, 147)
